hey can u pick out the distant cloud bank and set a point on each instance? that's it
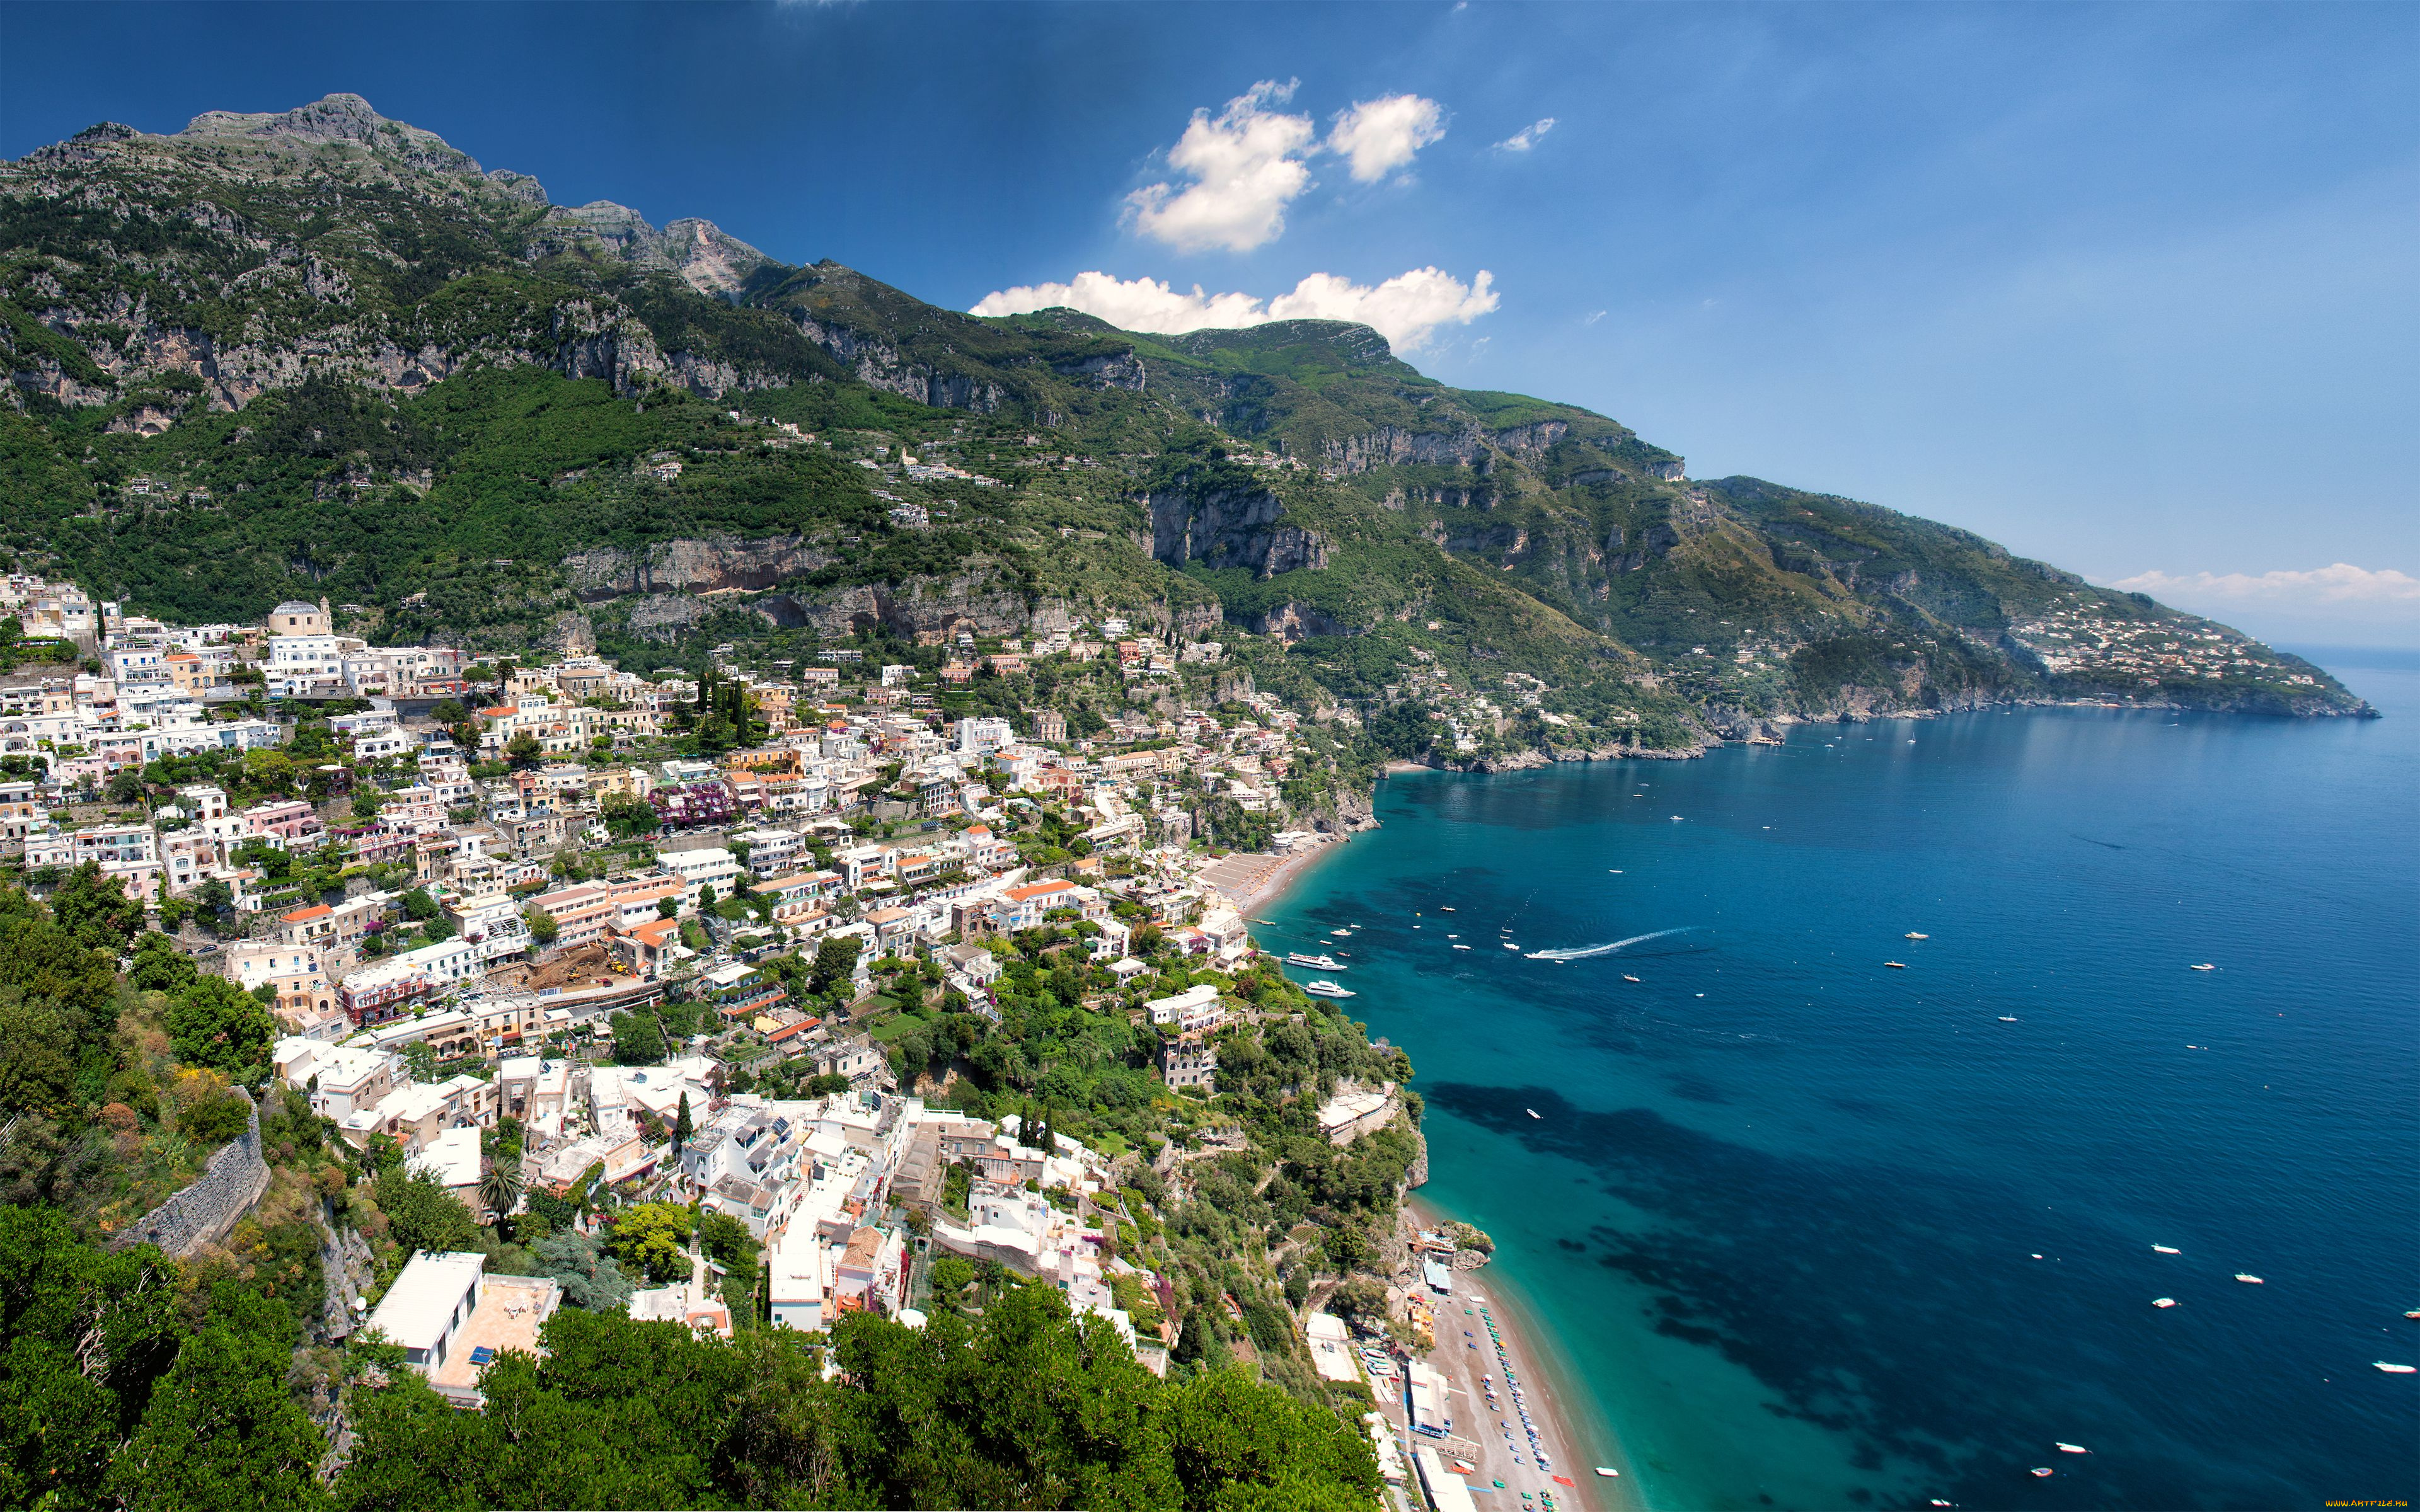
(2340, 585)
(1251, 160)
(1407, 309)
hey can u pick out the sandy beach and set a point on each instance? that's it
(1253, 882)
(1518, 1350)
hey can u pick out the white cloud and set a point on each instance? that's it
(1407, 309)
(1247, 166)
(1378, 136)
(1526, 137)
(2340, 585)
(1593, 316)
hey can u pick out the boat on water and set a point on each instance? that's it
(1324, 988)
(1607, 1472)
(2205, 966)
(2164, 1302)
(2166, 1249)
(1627, 977)
(2392, 1369)
(1914, 936)
(2413, 1315)
(1442, 909)
(2071, 1449)
(2007, 1018)
(1268, 922)
(1896, 965)
(2042, 1471)
(1510, 946)
(1532, 1112)
(1462, 947)
(1342, 934)
(2249, 1279)
(1317, 962)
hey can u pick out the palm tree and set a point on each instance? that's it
(500, 1188)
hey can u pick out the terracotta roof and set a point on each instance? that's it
(1038, 889)
(315, 911)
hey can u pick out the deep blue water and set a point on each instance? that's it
(1781, 1200)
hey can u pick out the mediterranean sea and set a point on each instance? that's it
(1813, 1231)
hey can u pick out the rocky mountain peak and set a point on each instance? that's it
(332, 120)
(701, 253)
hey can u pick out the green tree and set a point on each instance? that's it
(499, 1186)
(214, 1022)
(590, 1278)
(222, 1432)
(85, 1333)
(682, 1127)
(638, 1039)
(95, 909)
(422, 1214)
(523, 750)
(653, 1238)
(835, 958)
(542, 927)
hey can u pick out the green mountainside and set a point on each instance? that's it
(324, 353)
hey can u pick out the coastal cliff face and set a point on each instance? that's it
(1229, 527)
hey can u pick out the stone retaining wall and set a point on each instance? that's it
(203, 1213)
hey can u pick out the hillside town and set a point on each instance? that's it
(697, 940)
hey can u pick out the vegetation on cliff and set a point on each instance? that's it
(323, 353)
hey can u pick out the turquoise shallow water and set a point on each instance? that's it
(1781, 1201)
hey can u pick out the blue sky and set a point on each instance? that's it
(2130, 288)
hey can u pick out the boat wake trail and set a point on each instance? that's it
(1582, 952)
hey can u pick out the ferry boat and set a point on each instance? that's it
(1317, 962)
(1325, 989)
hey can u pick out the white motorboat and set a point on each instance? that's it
(1462, 947)
(1324, 988)
(2166, 1249)
(1316, 963)
(1914, 936)
(2205, 966)
(1510, 946)
(2249, 1279)
(1627, 977)
(2164, 1302)
(1532, 1112)
(2071, 1449)
(2392, 1369)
